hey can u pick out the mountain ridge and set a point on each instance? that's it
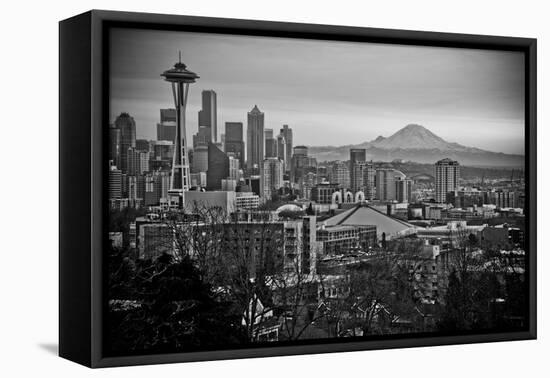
(415, 142)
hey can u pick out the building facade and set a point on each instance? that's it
(234, 142)
(447, 174)
(255, 139)
(272, 177)
(208, 115)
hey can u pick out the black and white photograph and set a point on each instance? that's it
(268, 191)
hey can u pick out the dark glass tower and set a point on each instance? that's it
(234, 142)
(218, 167)
(208, 115)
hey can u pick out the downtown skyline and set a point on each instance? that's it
(472, 97)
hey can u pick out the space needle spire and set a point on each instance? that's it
(179, 77)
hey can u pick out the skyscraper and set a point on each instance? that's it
(208, 115)
(272, 177)
(127, 126)
(234, 168)
(200, 159)
(286, 132)
(356, 155)
(114, 146)
(202, 137)
(364, 177)
(218, 167)
(255, 138)
(270, 144)
(403, 190)
(385, 184)
(166, 129)
(447, 173)
(234, 142)
(115, 183)
(339, 174)
(281, 151)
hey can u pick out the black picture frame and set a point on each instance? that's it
(83, 68)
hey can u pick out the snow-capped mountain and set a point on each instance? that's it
(417, 143)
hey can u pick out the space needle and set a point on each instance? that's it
(180, 78)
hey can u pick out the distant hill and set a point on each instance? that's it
(417, 143)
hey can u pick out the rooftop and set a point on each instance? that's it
(363, 215)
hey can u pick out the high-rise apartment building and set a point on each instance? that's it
(403, 190)
(272, 177)
(286, 132)
(234, 168)
(364, 178)
(385, 184)
(355, 155)
(339, 174)
(447, 174)
(281, 151)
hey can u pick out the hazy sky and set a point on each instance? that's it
(329, 93)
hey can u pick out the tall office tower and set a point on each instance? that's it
(179, 77)
(234, 168)
(355, 155)
(208, 115)
(234, 142)
(255, 139)
(364, 177)
(339, 174)
(447, 173)
(272, 177)
(385, 184)
(287, 133)
(281, 151)
(218, 167)
(200, 159)
(270, 144)
(166, 129)
(369, 180)
(114, 145)
(127, 126)
(403, 190)
(222, 142)
(115, 183)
